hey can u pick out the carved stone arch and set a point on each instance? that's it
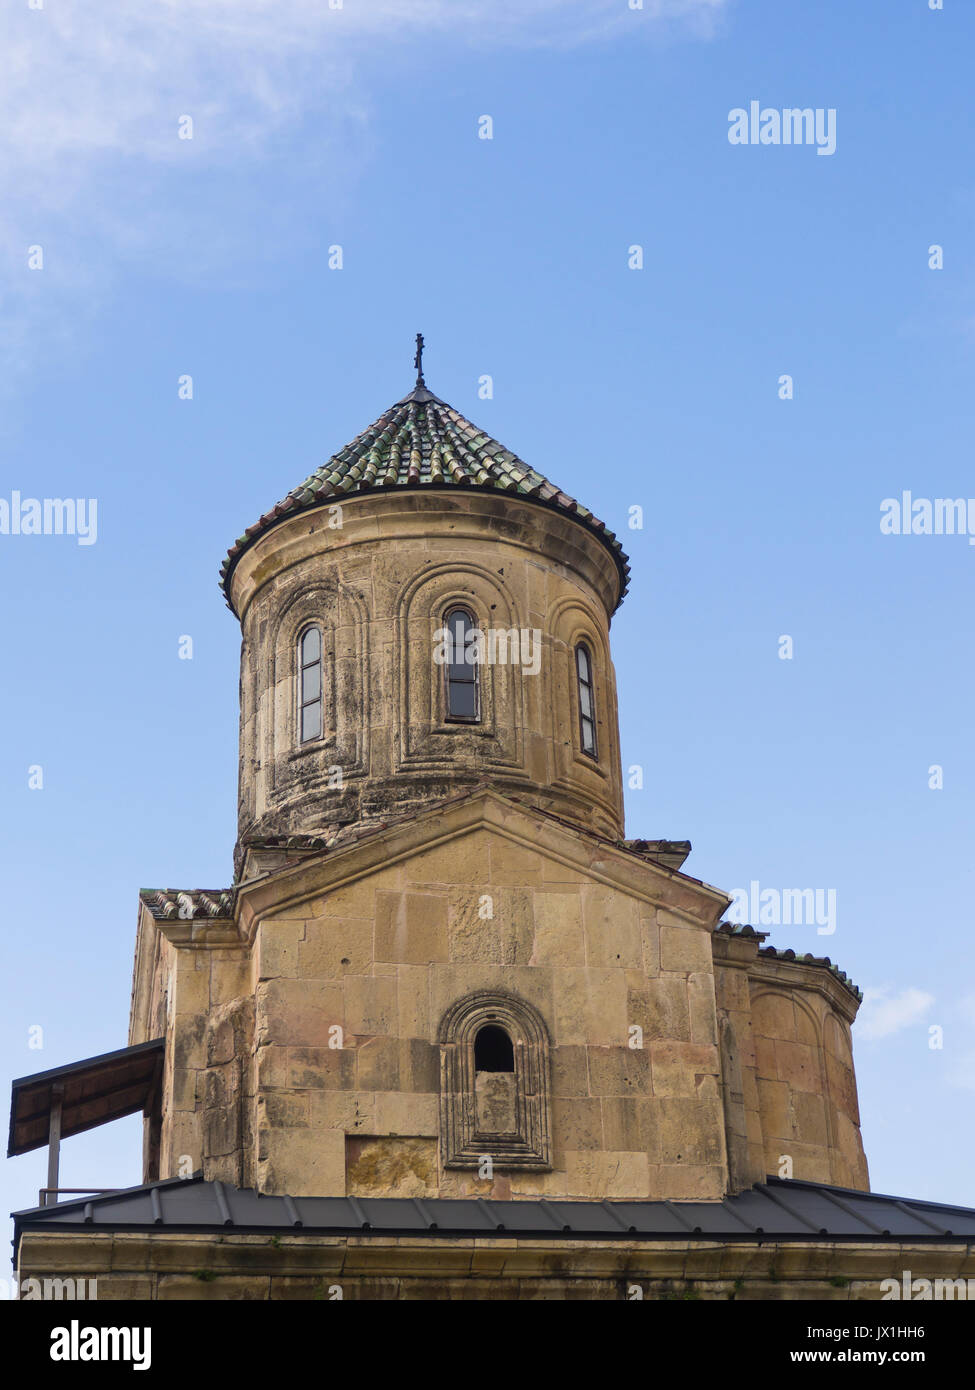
(804, 1010)
(793, 998)
(468, 1105)
(343, 620)
(584, 623)
(427, 739)
(570, 622)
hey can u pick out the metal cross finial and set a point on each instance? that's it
(418, 360)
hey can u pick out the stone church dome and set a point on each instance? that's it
(424, 527)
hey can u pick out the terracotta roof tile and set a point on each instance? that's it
(737, 929)
(167, 903)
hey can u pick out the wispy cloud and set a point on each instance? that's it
(90, 100)
(883, 1014)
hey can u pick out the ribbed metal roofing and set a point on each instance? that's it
(774, 1210)
(421, 441)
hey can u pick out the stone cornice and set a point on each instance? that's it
(413, 516)
(290, 1255)
(819, 978)
(287, 891)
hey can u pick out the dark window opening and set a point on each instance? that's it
(587, 702)
(310, 685)
(461, 668)
(493, 1050)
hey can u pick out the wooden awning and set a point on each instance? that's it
(91, 1093)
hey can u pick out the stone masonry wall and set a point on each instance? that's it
(378, 962)
(379, 587)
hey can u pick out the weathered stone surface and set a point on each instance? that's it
(559, 937)
(300, 1012)
(411, 928)
(398, 1112)
(450, 862)
(170, 1264)
(371, 1004)
(334, 947)
(301, 1162)
(391, 1167)
(683, 947)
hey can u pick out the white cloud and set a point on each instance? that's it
(90, 97)
(882, 1014)
(80, 83)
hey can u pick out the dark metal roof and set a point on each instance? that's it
(95, 1091)
(770, 1211)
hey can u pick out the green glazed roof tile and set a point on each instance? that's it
(423, 441)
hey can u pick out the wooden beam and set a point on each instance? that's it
(54, 1142)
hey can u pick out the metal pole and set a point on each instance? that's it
(54, 1144)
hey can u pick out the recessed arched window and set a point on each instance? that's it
(493, 1050)
(494, 1093)
(587, 701)
(460, 667)
(310, 685)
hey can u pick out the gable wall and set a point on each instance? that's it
(383, 958)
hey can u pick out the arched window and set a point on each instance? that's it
(494, 1093)
(493, 1050)
(587, 701)
(460, 668)
(310, 685)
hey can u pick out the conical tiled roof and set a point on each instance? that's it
(422, 441)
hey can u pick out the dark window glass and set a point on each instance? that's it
(493, 1050)
(311, 645)
(587, 702)
(310, 685)
(460, 669)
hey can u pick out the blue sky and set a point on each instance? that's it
(657, 388)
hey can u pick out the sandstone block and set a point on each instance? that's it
(405, 1167)
(377, 1065)
(590, 1006)
(325, 1068)
(609, 1174)
(612, 926)
(619, 1071)
(302, 1162)
(403, 1113)
(473, 934)
(411, 928)
(685, 948)
(336, 946)
(277, 946)
(577, 1124)
(371, 1004)
(301, 1012)
(558, 929)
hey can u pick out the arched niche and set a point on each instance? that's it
(489, 1109)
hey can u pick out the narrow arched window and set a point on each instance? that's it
(460, 668)
(587, 701)
(310, 685)
(493, 1050)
